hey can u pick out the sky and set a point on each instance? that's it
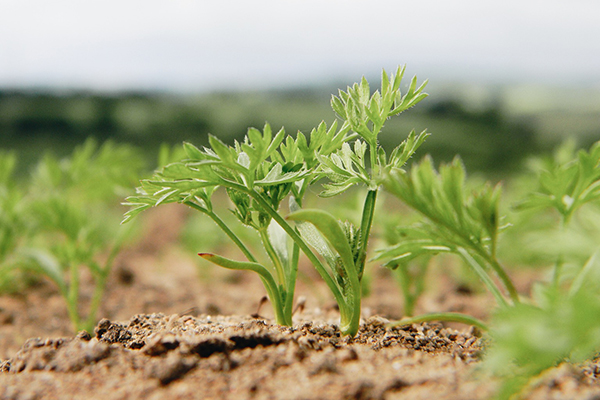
(190, 46)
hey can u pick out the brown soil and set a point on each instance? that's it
(170, 332)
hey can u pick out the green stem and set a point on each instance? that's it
(224, 228)
(373, 155)
(100, 286)
(73, 295)
(281, 316)
(508, 284)
(449, 317)
(506, 281)
(365, 226)
(267, 279)
(290, 285)
(351, 326)
(485, 278)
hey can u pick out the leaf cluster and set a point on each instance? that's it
(365, 115)
(560, 321)
(262, 163)
(530, 338)
(566, 182)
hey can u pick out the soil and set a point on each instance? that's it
(173, 329)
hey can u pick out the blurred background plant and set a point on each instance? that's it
(63, 220)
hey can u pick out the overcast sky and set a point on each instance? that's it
(203, 45)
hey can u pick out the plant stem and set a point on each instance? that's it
(365, 226)
(485, 278)
(224, 228)
(351, 327)
(508, 284)
(449, 317)
(73, 295)
(100, 286)
(290, 285)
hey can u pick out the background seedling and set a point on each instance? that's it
(66, 211)
(560, 321)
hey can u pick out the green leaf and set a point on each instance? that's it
(401, 154)
(313, 237)
(267, 278)
(338, 107)
(193, 153)
(332, 231)
(566, 181)
(238, 265)
(227, 155)
(333, 189)
(276, 176)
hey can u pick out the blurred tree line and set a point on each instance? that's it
(487, 138)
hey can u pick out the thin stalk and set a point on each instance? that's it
(266, 277)
(224, 228)
(449, 317)
(508, 284)
(290, 284)
(373, 154)
(351, 327)
(365, 225)
(73, 295)
(485, 278)
(506, 281)
(281, 316)
(100, 287)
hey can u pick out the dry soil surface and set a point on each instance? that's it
(168, 331)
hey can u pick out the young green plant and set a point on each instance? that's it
(560, 321)
(455, 221)
(69, 203)
(264, 169)
(257, 174)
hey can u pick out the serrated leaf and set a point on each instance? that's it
(192, 152)
(333, 189)
(338, 106)
(169, 195)
(276, 176)
(226, 154)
